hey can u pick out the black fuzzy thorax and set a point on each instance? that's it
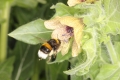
(53, 43)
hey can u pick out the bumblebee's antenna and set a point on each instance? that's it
(40, 59)
(57, 36)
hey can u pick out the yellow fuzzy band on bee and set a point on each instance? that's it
(57, 41)
(47, 45)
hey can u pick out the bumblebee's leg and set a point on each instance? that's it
(49, 59)
(53, 57)
(40, 59)
(55, 53)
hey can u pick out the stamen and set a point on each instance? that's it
(69, 29)
(82, 0)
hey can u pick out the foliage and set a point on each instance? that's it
(99, 59)
(25, 65)
(6, 69)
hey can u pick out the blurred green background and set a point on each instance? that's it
(18, 60)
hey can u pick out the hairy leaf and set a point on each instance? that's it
(32, 33)
(63, 10)
(108, 71)
(112, 16)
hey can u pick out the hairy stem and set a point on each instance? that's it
(111, 51)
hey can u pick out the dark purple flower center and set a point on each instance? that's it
(82, 0)
(69, 30)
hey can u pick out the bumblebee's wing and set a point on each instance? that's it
(38, 39)
(51, 53)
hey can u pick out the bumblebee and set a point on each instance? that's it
(49, 48)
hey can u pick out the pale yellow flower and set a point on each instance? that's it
(75, 2)
(65, 28)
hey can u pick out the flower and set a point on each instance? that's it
(67, 28)
(75, 2)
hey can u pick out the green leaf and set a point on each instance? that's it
(24, 63)
(42, 1)
(94, 69)
(107, 72)
(74, 77)
(112, 16)
(32, 33)
(112, 27)
(6, 69)
(63, 10)
(26, 3)
(95, 16)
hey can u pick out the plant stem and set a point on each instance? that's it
(111, 51)
(4, 31)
